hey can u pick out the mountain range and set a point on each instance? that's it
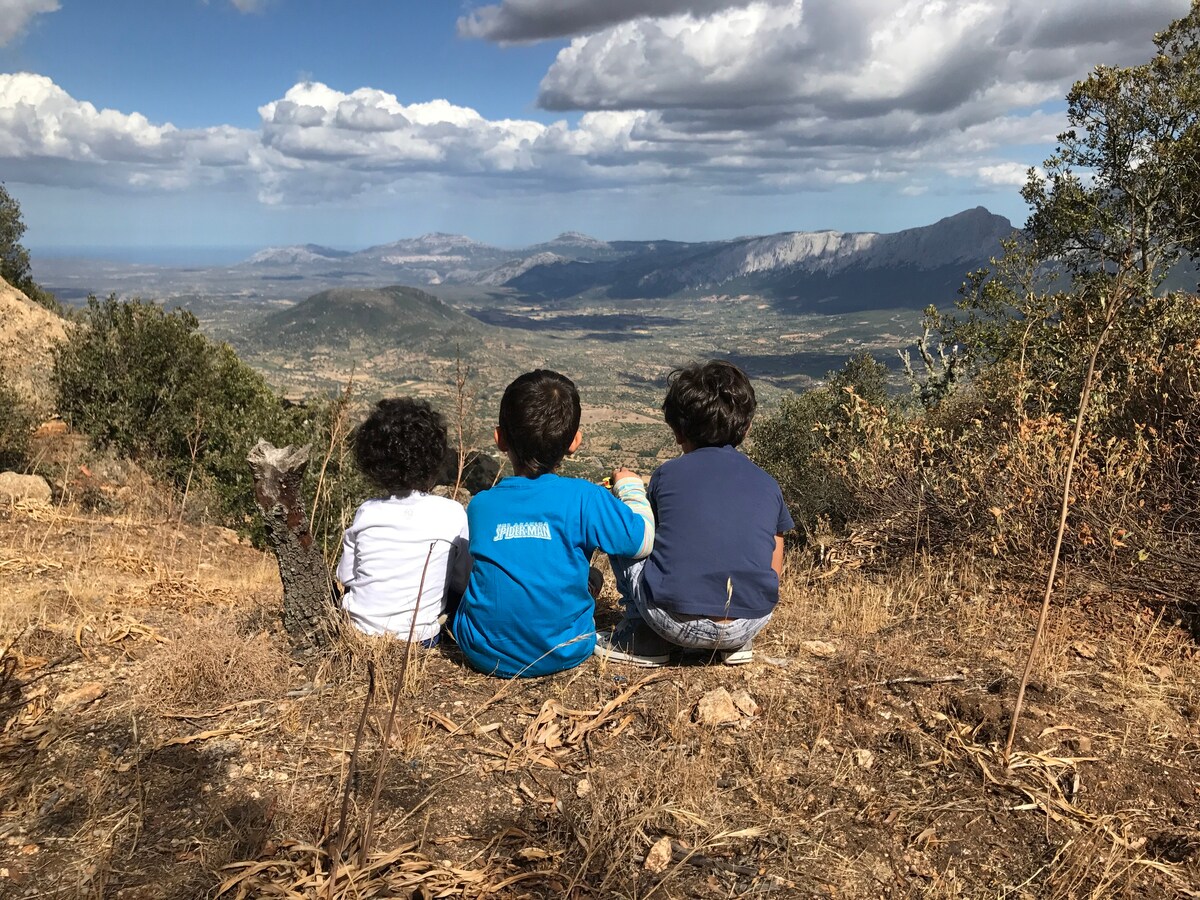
(819, 271)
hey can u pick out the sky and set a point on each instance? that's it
(129, 126)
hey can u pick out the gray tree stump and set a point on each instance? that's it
(309, 613)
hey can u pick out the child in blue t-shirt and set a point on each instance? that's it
(527, 609)
(712, 580)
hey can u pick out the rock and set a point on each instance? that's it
(582, 788)
(822, 649)
(15, 487)
(1080, 744)
(50, 429)
(717, 708)
(864, 758)
(659, 856)
(744, 702)
(80, 697)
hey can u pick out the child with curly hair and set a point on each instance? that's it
(405, 555)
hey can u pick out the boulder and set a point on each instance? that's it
(15, 487)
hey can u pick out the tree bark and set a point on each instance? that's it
(308, 607)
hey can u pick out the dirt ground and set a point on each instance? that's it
(158, 740)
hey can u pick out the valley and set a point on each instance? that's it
(418, 315)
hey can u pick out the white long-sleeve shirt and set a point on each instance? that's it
(384, 552)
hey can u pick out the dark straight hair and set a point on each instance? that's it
(539, 417)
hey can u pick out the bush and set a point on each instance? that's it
(16, 426)
(797, 443)
(144, 382)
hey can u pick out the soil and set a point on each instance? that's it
(157, 737)
(28, 335)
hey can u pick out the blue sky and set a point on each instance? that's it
(132, 125)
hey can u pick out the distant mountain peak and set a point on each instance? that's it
(578, 237)
(296, 253)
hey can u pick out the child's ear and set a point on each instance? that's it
(501, 443)
(575, 443)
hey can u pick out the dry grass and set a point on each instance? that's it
(156, 740)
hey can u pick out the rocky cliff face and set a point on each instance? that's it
(28, 336)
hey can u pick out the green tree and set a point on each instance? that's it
(144, 382)
(15, 266)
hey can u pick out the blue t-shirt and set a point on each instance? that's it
(527, 610)
(716, 515)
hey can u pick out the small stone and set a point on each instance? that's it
(744, 702)
(820, 649)
(659, 856)
(583, 788)
(1080, 744)
(716, 708)
(81, 696)
(864, 758)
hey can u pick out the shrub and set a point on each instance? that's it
(143, 382)
(797, 443)
(16, 426)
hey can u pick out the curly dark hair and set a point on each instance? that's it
(539, 417)
(401, 445)
(710, 404)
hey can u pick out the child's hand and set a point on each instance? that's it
(622, 472)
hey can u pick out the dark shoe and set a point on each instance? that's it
(634, 643)
(740, 656)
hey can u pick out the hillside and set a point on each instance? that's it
(28, 334)
(825, 271)
(158, 731)
(396, 316)
(822, 271)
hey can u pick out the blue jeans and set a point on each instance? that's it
(692, 632)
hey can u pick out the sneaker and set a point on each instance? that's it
(634, 643)
(740, 656)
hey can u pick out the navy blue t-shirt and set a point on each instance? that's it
(716, 516)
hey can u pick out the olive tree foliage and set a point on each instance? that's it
(793, 444)
(1112, 211)
(15, 265)
(143, 382)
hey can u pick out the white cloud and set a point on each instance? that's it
(1008, 174)
(750, 98)
(15, 16)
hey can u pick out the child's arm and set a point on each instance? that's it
(347, 564)
(628, 487)
(777, 555)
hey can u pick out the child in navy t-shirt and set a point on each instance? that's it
(712, 580)
(527, 609)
